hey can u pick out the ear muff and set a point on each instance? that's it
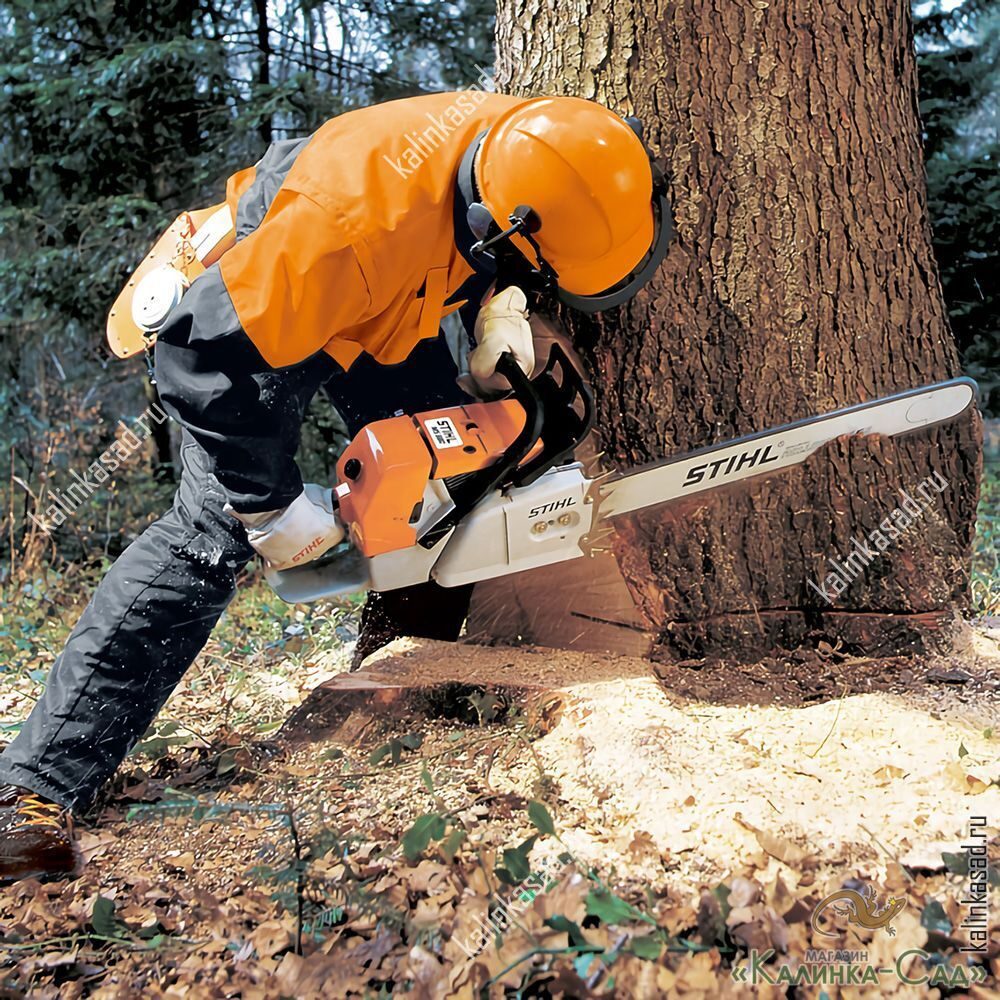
(490, 250)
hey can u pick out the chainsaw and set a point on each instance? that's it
(470, 492)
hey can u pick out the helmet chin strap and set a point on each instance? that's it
(512, 267)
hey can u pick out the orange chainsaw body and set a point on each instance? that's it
(384, 472)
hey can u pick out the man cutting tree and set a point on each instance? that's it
(348, 249)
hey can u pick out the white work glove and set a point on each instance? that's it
(296, 534)
(502, 325)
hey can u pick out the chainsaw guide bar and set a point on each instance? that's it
(771, 451)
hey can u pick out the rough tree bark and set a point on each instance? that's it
(801, 280)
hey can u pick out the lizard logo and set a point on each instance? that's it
(861, 908)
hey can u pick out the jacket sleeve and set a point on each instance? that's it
(296, 281)
(214, 381)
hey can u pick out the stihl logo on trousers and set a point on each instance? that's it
(727, 466)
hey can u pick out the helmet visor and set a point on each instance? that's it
(639, 276)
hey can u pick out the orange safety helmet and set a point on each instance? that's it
(573, 187)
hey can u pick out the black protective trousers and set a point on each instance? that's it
(157, 605)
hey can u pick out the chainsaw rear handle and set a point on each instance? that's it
(559, 414)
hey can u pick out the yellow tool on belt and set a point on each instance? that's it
(193, 242)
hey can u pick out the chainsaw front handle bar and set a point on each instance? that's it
(524, 391)
(558, 413)
(567, 408)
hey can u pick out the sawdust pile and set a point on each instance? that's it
(677, 832)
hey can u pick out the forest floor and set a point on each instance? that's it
(290, 829)
(632, 833)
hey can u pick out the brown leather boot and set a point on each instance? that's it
(35, 839)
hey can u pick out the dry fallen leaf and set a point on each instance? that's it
(743, 892)
(642, 846)
(271, 937)
(697, 972)
(967, 783)
(778, 847)
(888, 773)
(93, 845)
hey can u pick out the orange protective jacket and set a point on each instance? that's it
(357, 250)
(345, 243)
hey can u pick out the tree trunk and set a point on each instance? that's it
(264, 64)
(801, 280)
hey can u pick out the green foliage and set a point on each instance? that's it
(452, 843)
(540, 818)
(516, 865)
(103, 917)
(648, 947)
(935, 919)
(113, 116)
(394, 749)
(611, 909)
(416, 840)
(959, 59)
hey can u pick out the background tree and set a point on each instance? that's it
(802, 279)
(111, 117)
(958, 50)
